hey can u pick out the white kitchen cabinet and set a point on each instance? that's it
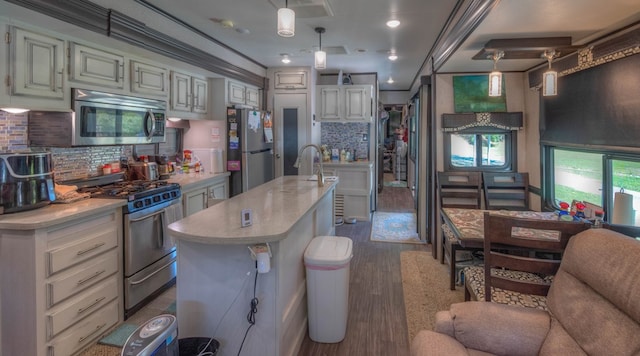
(189, 94)
(194, 201)
(34, 72)
(203, 193)
(149, 79)
(68, 291)
(344, 103)
(290, 80)
(354, 189)
(225, 93)
(97, 67)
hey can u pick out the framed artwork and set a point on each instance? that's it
(471, 94)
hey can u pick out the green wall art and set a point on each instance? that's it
(471, 94)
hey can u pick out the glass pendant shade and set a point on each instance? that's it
(495, 83)
(550, 83)
(321, 60)
(286, 22)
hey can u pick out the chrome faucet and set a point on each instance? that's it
(320, 173)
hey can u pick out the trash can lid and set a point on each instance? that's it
(328, 251)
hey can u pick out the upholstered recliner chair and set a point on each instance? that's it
(594, 309)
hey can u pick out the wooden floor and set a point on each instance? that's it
(376, 323)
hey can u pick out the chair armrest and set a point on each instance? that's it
(429, 343)
(499, 329)
(444, 323)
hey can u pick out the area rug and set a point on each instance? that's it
(395, 183)
(394, 227)
(425, 286)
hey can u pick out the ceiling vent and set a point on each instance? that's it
(305, 9)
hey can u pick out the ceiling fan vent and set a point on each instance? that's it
(305, 9)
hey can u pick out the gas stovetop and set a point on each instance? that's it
(140, 194)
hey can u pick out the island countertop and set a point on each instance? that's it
(276, 206)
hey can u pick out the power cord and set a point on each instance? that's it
(253, 310)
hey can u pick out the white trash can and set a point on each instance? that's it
(327, 261)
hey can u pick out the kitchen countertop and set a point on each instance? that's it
(54, 214)
(276, 205)
(194, 181)
(352, 163)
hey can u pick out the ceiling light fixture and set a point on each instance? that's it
(550, 77)
(393, 56)
(393, 23)
(495, 77)
(285, 59)
(390, 80)
(286, 21)
(320, 55)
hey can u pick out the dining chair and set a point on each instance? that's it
(457, 190)
(521, 256)
(506, 190)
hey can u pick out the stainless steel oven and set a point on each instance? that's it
(149, 252)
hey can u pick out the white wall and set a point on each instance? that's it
(395, 97)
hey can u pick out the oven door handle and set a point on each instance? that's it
(133, 283)
(146, 216)
(163, 220)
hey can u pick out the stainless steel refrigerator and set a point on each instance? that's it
(250, 158)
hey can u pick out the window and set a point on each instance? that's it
(596, 177)
(479, 149)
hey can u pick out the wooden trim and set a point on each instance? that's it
(622, 44)
(78, 12)
(119, 26)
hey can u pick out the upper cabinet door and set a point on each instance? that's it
(37, 65)
(252, 97)
(94, 66)
(357, 103)
(290, 80)
(236, 93)
(329, 105)
(180, 92)
(148, 79)
(200, 90)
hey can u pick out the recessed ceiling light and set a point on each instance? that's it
(286, 60)
(393, 23)
(393, 56)
(390, 80)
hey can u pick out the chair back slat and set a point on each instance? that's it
(460, 190)
(524, 245)
(506, 190)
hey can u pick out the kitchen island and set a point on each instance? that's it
(216, 273)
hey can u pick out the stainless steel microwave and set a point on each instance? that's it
(100, 118)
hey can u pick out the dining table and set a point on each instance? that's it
(468, 224)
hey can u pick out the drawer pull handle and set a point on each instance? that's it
(98, 245)
(85, 280)
(95, 302)
(91, 333)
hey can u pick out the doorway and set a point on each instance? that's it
(290, 125)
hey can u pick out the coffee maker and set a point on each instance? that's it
(26, 181)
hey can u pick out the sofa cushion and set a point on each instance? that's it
(558, 342)
(429, 342)
(595, 293)
(499, 329)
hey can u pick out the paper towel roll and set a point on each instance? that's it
(217, 160)
(623, 212)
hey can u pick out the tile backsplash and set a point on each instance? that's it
(69, 163)
(346, 136)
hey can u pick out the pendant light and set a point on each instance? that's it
(550, 77)
(495, 77)
(320, 55)
(286, 21)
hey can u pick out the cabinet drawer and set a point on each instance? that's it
(66, 256)
(81, 306)
(82, 277)
(85, 332)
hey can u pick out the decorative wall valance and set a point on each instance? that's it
(501, 120)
